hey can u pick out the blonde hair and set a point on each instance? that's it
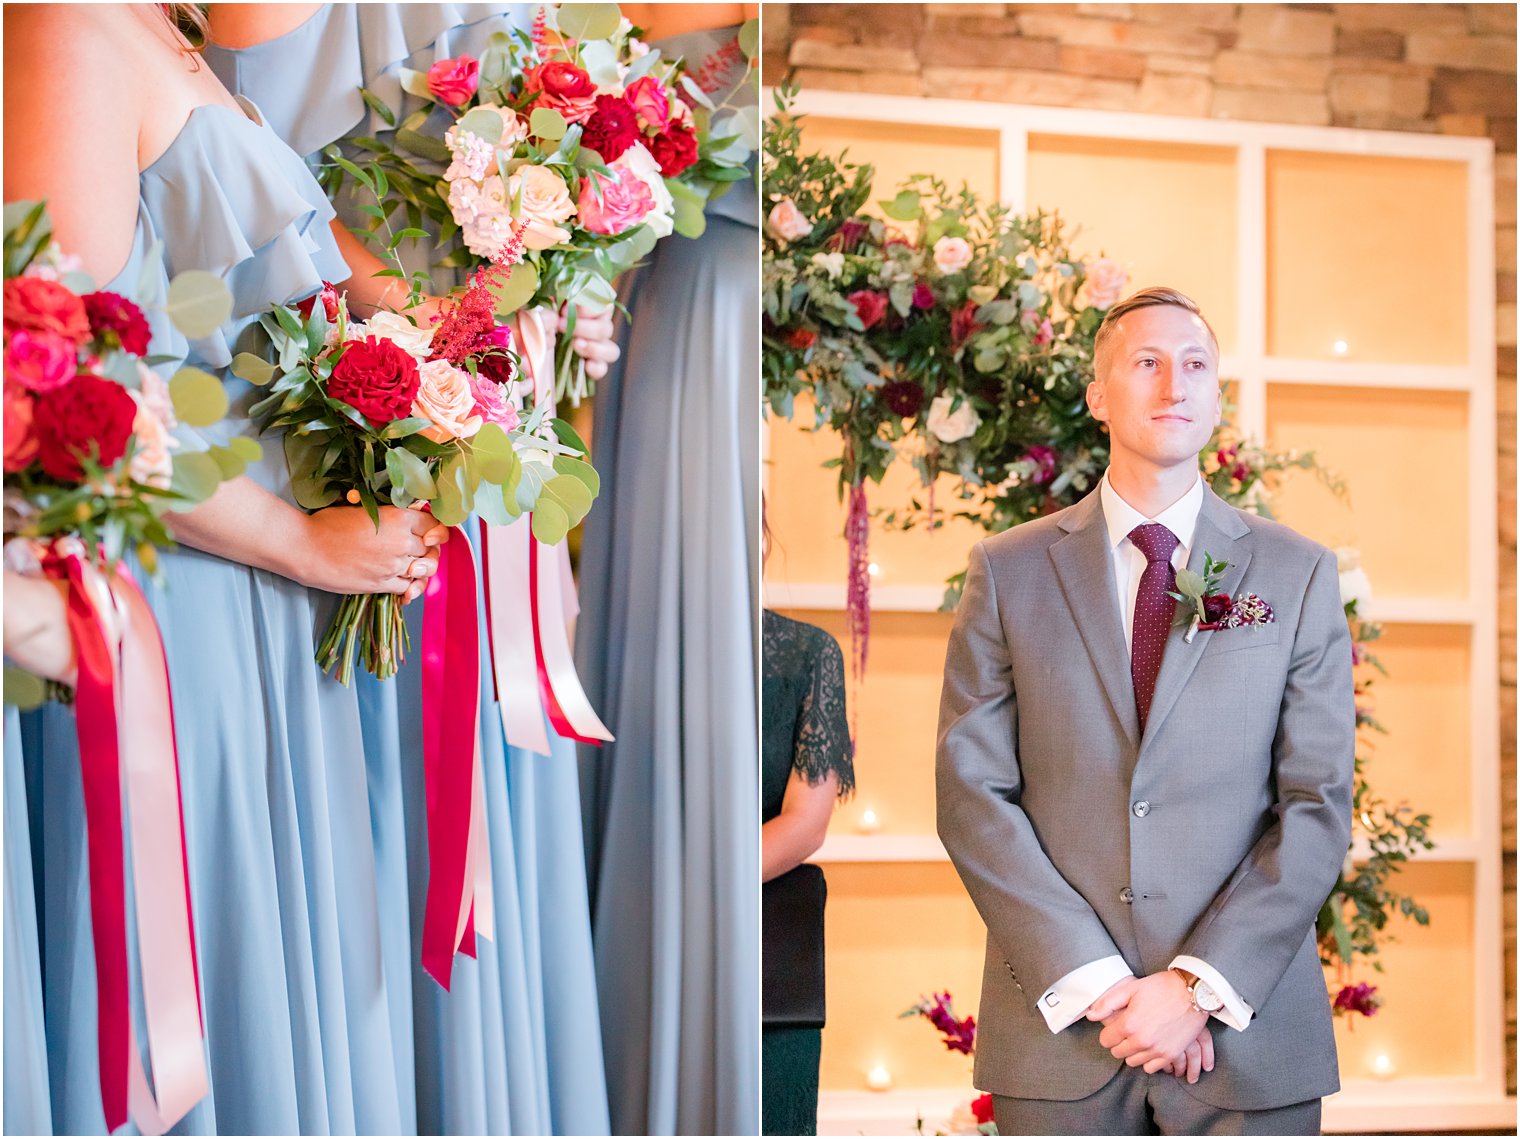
(1149, 297)
(191, 22)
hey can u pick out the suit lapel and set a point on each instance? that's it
(1084, 567)
(1218, 533)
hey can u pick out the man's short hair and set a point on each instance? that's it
(1145, 298)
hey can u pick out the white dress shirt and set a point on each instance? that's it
(1068, 1000)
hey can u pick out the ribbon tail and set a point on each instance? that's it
(569, 708)
(165, 928)
(100, 771)
(480, 854)
(450, 718)
(511, 609)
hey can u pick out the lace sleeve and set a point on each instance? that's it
(823, 732)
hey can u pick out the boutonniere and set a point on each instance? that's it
(1209, 608)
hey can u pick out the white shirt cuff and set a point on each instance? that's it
(1236, 1013)
(1065, 1002)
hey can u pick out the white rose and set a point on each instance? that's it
(785, 222)
(544, 203)
(1106, 279)
(948, 426)
(641, 164)
(830, 263)
(1356, 587)
(399, 330)
(152, 428)
(446, 399)
(952, 254)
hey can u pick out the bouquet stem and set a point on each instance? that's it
(570, 375)
(368, 627)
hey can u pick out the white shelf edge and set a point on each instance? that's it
(1361, 1107)
(1362, 374)
(827, 596)
(858, 848)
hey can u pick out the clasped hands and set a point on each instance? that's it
(1151, 1022)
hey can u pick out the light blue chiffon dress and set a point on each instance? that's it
(272, 765)
(515, 1046)
(667, 648)
(27, 1108)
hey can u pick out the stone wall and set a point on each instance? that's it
(1430, 68)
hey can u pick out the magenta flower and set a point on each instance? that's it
(1359, 998)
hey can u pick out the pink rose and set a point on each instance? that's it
(446, 398)
(20, 438)
(952, 254)
(1105, 283)
(39, 361)
(493, 402)
(869, 306)
(453, 81)
(786, 222)
(649, 102)
(566, 89)
(923, 296)
(612, 206)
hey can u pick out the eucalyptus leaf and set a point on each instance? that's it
(579, 469)
(496, 62)
(449, 505)
(570, 493)
(196, 477)
(749, 37)
(255, 369)
(198, 303)
(690, 87)
(517, 290)
(23, 690)
(641, 66)
(491, 505)
(228, 461)
(483, 124)
(199, 398)
(1189, 583)
(588, 21)
(690, 220)
(250, 450)
(550, 523)
(407, 470)
(493, 454)
(600, 61)
(547, 123)
(414, 81)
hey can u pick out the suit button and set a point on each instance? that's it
(1141, 809)
(1126, 895)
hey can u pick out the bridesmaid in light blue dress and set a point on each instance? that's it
(515, 1046)
(281, 859)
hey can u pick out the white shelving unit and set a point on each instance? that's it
(1401, 1104)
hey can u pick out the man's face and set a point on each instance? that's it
(1159, 388)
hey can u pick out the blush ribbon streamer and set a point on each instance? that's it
(127, 753)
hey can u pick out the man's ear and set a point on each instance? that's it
(1097, 401)
(1219, 407)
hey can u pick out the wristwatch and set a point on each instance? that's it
(1203, 998)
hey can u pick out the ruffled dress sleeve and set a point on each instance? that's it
(307, 81)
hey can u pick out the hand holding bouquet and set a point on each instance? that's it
(578, 135)
(386, 412)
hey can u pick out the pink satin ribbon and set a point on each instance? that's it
(457, 846)
(524, 582)
(127, 752)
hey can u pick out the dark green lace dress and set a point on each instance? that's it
(804, 729)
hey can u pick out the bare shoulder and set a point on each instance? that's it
(73, 105)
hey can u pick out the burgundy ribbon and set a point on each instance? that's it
(450, 719)
(100, 771)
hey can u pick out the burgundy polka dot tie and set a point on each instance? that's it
(1153, 611)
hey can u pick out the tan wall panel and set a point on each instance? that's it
(1425, 704)
(1166, 212)
(1369, 251)
(1428, 984)
(1403, 458)
(896, 932)
(896, 708)
(901, 150)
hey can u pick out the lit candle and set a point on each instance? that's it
(878, 1079)
(873, 569)
(1382, 1066)
(869, 823)
(1341, 348)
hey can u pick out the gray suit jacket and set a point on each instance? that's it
(1245, 768)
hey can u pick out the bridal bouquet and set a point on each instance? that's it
(386, 412)
(576, 133)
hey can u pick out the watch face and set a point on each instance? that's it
(1208, 1000)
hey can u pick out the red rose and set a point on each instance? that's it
(562, 79)
(329, 296)
(963, 325)
(923, 296)
(869, 306)
(32, 302)
(376, 378)
(674, 150)
(803, 338)
(20, 438)
(110, 313)
(39, 361)
(612, 128)
(1215, 606)
(89, 417)
(904, 397)
(981, 1107)
(453, 81)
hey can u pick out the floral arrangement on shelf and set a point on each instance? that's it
(385, 412)
(958, 1035)
(1352, 922)
(92, 461)
(577, 133)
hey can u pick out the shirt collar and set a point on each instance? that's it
(1181, 518)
